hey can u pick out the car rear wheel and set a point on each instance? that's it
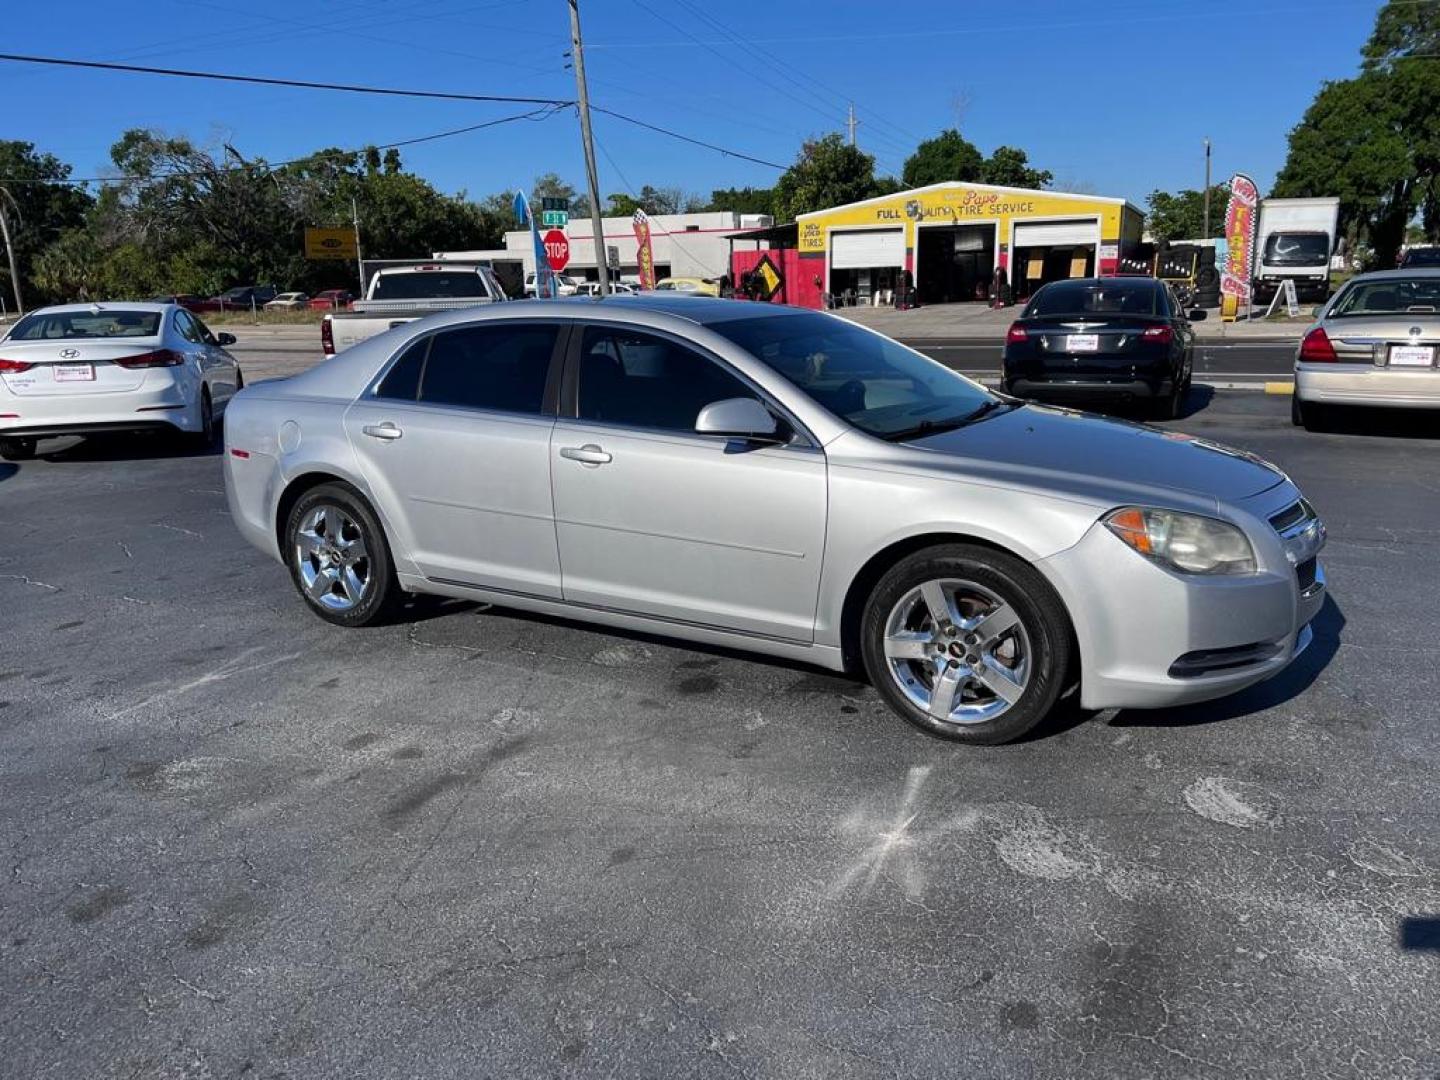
(17, 449)
(338, 557)
(966, 643)
(1171, 405)
(204, 439)
(1310, 416)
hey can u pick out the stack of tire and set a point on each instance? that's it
(1207, 280)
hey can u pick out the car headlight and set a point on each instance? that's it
(1186, 542)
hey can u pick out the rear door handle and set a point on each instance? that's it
(589, 454)
(386, 431)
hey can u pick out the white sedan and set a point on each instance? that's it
(289, 301)
(87, 369)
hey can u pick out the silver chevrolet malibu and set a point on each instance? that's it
(781, 481)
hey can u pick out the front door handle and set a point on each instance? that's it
(386, 431)
(589, 454)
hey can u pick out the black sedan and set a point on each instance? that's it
(1102, 340)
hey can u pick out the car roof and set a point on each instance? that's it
(1100, 282)
(701, 310)
(1401, 273)
(102, 307)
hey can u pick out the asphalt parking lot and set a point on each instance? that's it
(241, 843)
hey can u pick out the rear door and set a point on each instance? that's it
(656, 519)
(454, 441)
(217, 365)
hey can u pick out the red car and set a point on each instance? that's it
(332, 299)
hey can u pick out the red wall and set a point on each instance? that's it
(804, 277)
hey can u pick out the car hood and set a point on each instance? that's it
(1097, 457)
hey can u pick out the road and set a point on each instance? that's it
(1224, 365)
(241, 843)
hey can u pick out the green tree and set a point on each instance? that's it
(828, 172)
(948, 156)
(1009, 167)
(1181, 215)
(746, 200)
(549, 185)
(39, 208)
(1374, 141)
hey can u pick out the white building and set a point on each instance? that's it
(683, 245)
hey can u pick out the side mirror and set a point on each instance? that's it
(741, 417)
(1198, 315)
(226, 339)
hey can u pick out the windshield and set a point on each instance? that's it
(1095, 298)
(1296, 249)
(428, 285)
(867, 380)
(43, 326)
(1388, 296)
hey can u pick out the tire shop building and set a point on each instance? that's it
(952, 237)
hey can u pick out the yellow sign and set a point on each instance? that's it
(959, 204)
(330, 244)
(769, 276)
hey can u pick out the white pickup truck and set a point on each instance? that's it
(401, 294)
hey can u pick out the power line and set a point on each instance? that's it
(270, 166)
(686, 138)
(258, 80)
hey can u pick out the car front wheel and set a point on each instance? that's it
(338, 557)
(967, 643)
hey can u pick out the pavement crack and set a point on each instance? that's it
(31, 581)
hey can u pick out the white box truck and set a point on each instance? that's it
(1295, 240)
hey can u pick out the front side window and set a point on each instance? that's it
(500, 365)
(186, 328)
(640, 380)
(865, 379)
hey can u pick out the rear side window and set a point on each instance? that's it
(501, 366)
(402, 381)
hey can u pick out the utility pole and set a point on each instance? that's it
(583, 93)
(10, 251)
(852, 123)
(1206, 231)
(359, 262)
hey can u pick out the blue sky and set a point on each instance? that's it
(1112, 97)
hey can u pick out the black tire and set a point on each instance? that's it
(1042, 620)
(203, 439)
(1206, 278)
(17, 449)
(1169, 406)
(380, 593)
(1311, 417)
(1207, 255)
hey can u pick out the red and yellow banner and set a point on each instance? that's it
(1239, 238)
(644, 254)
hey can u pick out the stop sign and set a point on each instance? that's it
(557, 250)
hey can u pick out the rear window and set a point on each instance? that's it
(1296, 249)
(429, 285)
(1389, 296)
(54, 326)
(1105, 298)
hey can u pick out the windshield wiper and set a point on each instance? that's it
(935, 427)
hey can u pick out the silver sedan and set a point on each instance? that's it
(1377, 342)
(781, 481)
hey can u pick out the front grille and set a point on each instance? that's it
(1297, 513)
(1305, 573)
(1209, 661)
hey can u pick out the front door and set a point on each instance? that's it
(656, 519)
(455, 445)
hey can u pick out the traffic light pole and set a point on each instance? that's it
(583, 94)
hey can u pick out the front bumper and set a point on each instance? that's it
(1366, 384)
(1151, 638)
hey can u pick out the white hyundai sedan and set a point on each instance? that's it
(89, 369)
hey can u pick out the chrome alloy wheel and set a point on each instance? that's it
(957, 651)
(331, 558)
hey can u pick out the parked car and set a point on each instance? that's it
(694, 286)
(244, 296)
(783, 481)
(592, 288)
(1118, 339)
(289, 301)
(1375, 343)
(1420, 256)
(85, 369)
(399, 294)
(189, 301)
(565, 285)
(332, 300)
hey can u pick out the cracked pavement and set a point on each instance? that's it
(241, 843)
